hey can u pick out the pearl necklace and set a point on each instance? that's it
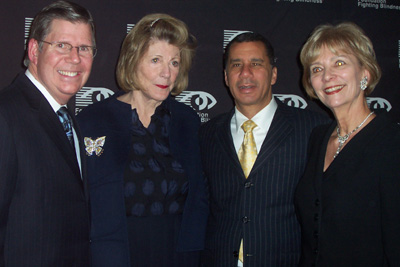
(343, 139)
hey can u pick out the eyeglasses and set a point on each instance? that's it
(65, 48)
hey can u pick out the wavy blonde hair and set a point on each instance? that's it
(151, 28)
(345, 37)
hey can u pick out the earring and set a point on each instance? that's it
(363, 83)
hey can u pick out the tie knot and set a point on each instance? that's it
(63, 112)
(248, 126)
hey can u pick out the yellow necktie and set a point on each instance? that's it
(248, 150)
(247, 156)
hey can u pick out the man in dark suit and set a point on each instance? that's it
(252, 220)
(44, 214)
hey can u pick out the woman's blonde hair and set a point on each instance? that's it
(345, 37)
(151, 28)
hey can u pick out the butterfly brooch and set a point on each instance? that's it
(95, 146)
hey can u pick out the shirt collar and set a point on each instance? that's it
(260, 118)
(53, 103)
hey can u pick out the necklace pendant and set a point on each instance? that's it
(343, 139)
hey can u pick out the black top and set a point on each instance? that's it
(155, 183)
(349, 214)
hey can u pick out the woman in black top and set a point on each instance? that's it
(347, 201)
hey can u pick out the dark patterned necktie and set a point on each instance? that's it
(66, 122)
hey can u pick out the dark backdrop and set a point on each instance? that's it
(286, 23)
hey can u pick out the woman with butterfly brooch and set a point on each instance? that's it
(147, 192)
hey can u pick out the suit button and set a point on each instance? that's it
(316, 217)
(235, 254)
(245, 219)
(317, 202)
(315, 251)
(248, 185)
(316, 234)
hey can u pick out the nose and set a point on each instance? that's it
(74, 56)
(328, 74)
(246, 71)
(165, 71)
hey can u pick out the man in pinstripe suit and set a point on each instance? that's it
(257, 210)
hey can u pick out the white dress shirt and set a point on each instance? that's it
(263, 120)
(56, 106)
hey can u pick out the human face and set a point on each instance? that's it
(250, 76)
(63, 75)
(157, 71)
(336, 79)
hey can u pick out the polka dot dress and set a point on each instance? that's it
(154, 182)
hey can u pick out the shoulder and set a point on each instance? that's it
(218, 122)
(180, 110)
(183, 117)
(387, 127)
(97, 108)
(101, 110)
(19, 98)
(107, 114)
(303, 116)
(12, 92)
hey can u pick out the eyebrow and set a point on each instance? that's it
(332, 58)
(235, 60)
(159, 55)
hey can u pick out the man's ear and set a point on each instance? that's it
(33, 51)
(274, 75)
(226, 78)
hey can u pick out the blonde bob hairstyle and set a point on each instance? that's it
(345, 37)
(151, 28)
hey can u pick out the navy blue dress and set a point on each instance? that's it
(155, 186)
(151, 217)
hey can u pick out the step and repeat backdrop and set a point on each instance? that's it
(286, 23)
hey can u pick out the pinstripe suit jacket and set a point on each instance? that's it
(260, 209)
(44, 217)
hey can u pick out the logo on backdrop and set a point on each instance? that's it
(303, 1)
(378, 102)
(378, 4)
(90, 95)
(229, 35)
(129, 27)
(292, 100)
(399, 53)
(28, 23)
(200, 101)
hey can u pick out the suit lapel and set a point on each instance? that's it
(225, 140)
(49, 121)
(280, 129)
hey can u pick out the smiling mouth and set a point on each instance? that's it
(333, 90)
(244, 87)
(68, 73)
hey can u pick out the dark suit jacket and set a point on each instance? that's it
(259, 209)
(112, 119)
(350, 214)
(44, 216)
